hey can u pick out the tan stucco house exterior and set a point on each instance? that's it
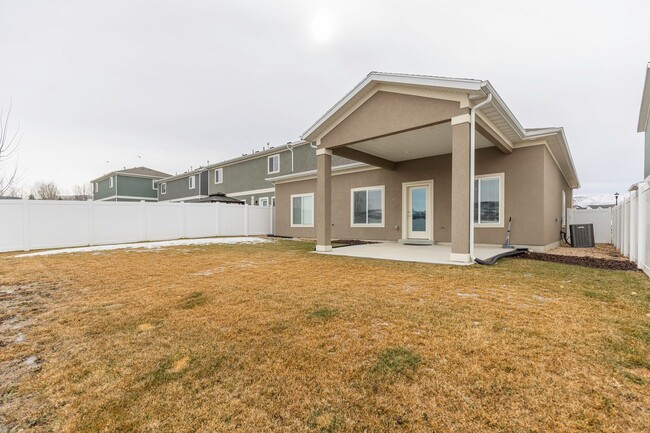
(416, 158)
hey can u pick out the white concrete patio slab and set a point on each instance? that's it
(438, 254)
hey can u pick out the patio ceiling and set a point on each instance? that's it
(418, 143)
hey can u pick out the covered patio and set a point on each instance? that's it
(436, 254)
(390, 120)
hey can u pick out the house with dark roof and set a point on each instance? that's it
(129, 184)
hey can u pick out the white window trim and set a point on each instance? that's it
(110, 182)
(191, 182)
(220, 171)
(153, 184)
(96, 186)
(383, 206)
(500, 224)
(313, 216)
(273, 201)
(277, 155)
(163, 188)
(265, 200)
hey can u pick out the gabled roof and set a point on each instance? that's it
(644, 114)
(496, 111)
(269, 151)
(136, 172)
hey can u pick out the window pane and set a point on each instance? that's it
(476, 186)
(490, 200)
(308, 210)
(359, 207)
(297, 213)
(374, 206)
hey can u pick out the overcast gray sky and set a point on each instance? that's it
(95, 84)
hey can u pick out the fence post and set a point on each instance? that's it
(91, 222)
(26, 230)
(641, 224)
(143, 215)
(271, 220)
(217, 219)
(245, 219)
(183, 218)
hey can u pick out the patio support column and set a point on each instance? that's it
(323, 200)
(460, 184)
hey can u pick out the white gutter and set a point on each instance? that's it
(290, 147)
(472, 158)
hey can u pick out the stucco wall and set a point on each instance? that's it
(554, 184)
(523, 197)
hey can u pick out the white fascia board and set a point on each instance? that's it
(382, 77)
(644, 114)
(181, 176)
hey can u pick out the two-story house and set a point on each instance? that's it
(191, 186)
(129, 184)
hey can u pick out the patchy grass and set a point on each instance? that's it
(398, 360)
(270, 337)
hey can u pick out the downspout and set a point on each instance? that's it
(290, 147)
(472, 158)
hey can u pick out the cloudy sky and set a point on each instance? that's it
(100, 85)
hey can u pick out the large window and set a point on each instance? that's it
(302, 210)
(488, 200)
(368, 207)
(192, 181)
(274, 164)
(218, 175)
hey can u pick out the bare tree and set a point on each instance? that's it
(82, 192)
(46, 191)
(8, 146)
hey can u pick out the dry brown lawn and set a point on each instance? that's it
(269, 337)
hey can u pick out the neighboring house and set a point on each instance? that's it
(644, 121)
(245, 177)
(189, 187)
(412, 138)
(130, 184)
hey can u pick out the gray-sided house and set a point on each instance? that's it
(245, 177)
(190, 187)
(438, 160)
(644, 121)
(130, 184)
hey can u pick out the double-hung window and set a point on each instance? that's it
(110, 182)
(367, 207)
(96, 186)
(488, 200)
(192, 180)
(163, 188)
(153, 184)
(218, 175)
(264, 201)
(302, 210)
(274, 164)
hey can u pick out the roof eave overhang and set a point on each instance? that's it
(375, 78)
(644, 114)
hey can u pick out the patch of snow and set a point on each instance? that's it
(152, 245)
(593, 199)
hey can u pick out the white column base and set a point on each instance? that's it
(459, 258)
(323, 248)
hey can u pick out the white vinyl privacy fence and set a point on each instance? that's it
(600, 218)
(38, 224)
(630, 222)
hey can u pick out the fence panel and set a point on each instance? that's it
(600, 218)
(40, 224)
(631, 232)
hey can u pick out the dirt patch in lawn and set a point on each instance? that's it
(271, 337)
(596, 262)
